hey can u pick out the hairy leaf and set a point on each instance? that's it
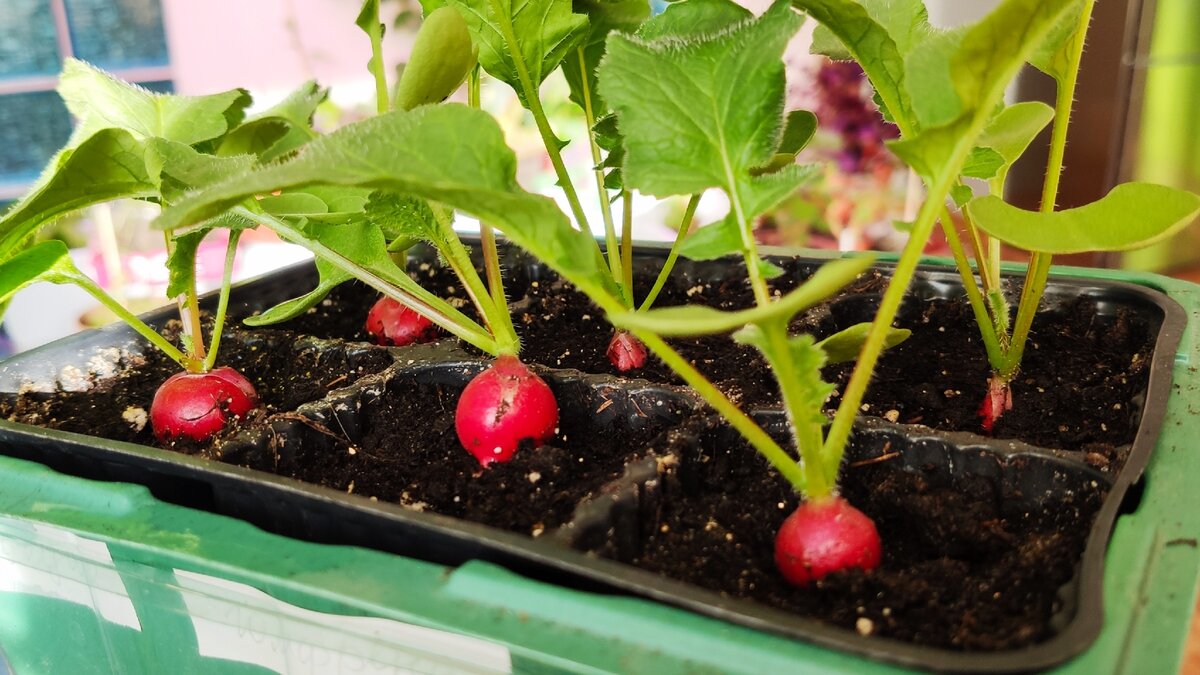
(805, 361)
(100, 101)
(318, 203)
(404, 216)
(1055, 56)
(982, 163)
(179, 169)
(533, 35)
(989, 55)
(688, 320)
(701, 113)
(108, 165)
(799, 129)
(181, 263)
(279, 130)
(713, 241)
(329, 278)
(870, 43)
(48, 261)
(929, 80)
(448, 154)
(961, 194)
(1130, 216)
(693, 18)
(1009, 134)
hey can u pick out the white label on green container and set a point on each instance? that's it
(240, 623)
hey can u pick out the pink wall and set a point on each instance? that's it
(271, 46)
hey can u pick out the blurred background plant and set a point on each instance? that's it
(862, 193)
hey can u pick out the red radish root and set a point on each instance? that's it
(198, 405)
(502, 406)
(626, 352)
(824, 536)
(391, 323)
(997, 402)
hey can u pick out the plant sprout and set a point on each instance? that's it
(943, 89)
(132, 143)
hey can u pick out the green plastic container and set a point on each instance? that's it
(102, 577)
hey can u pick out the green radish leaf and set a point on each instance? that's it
(988, 56)
(318, 203)
(797, 132)
(329, 278)
(929, 80)
(758, 194)
(608, 137)
(404, 216)
(537, 34)
(449, 154)
(764, 192)
(293, 204)
(983, 162)
(100, 101)
(799, 129)
(179, 169)
(693, 18)
(769, 270)
(1130, 216)
(279, 130)
(806, 359)
(1010, 132)
(700, 113)
(713, 241)
(48, 261)
(848, 30)
(181, 263)
(442, 57)
(844, 346)
(961, 194)
(579, 65)
(689, 320)
(108, 165)
(1054, 56)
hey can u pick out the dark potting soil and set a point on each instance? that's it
(285, 371)
(1082, 376)
(409, 454)
(962, 567)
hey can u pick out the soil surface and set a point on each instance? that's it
(285, 371)
(409, 454)
(1079, 388)
(963, 567)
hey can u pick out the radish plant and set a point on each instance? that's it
(943, 90)
(131, 143)
(729, 73)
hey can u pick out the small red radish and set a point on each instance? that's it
(391, 323)
(503, 406)
(626, 352)
(197, 405)
(824, 536)
(997, 402)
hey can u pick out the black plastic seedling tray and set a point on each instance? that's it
(584, 552)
